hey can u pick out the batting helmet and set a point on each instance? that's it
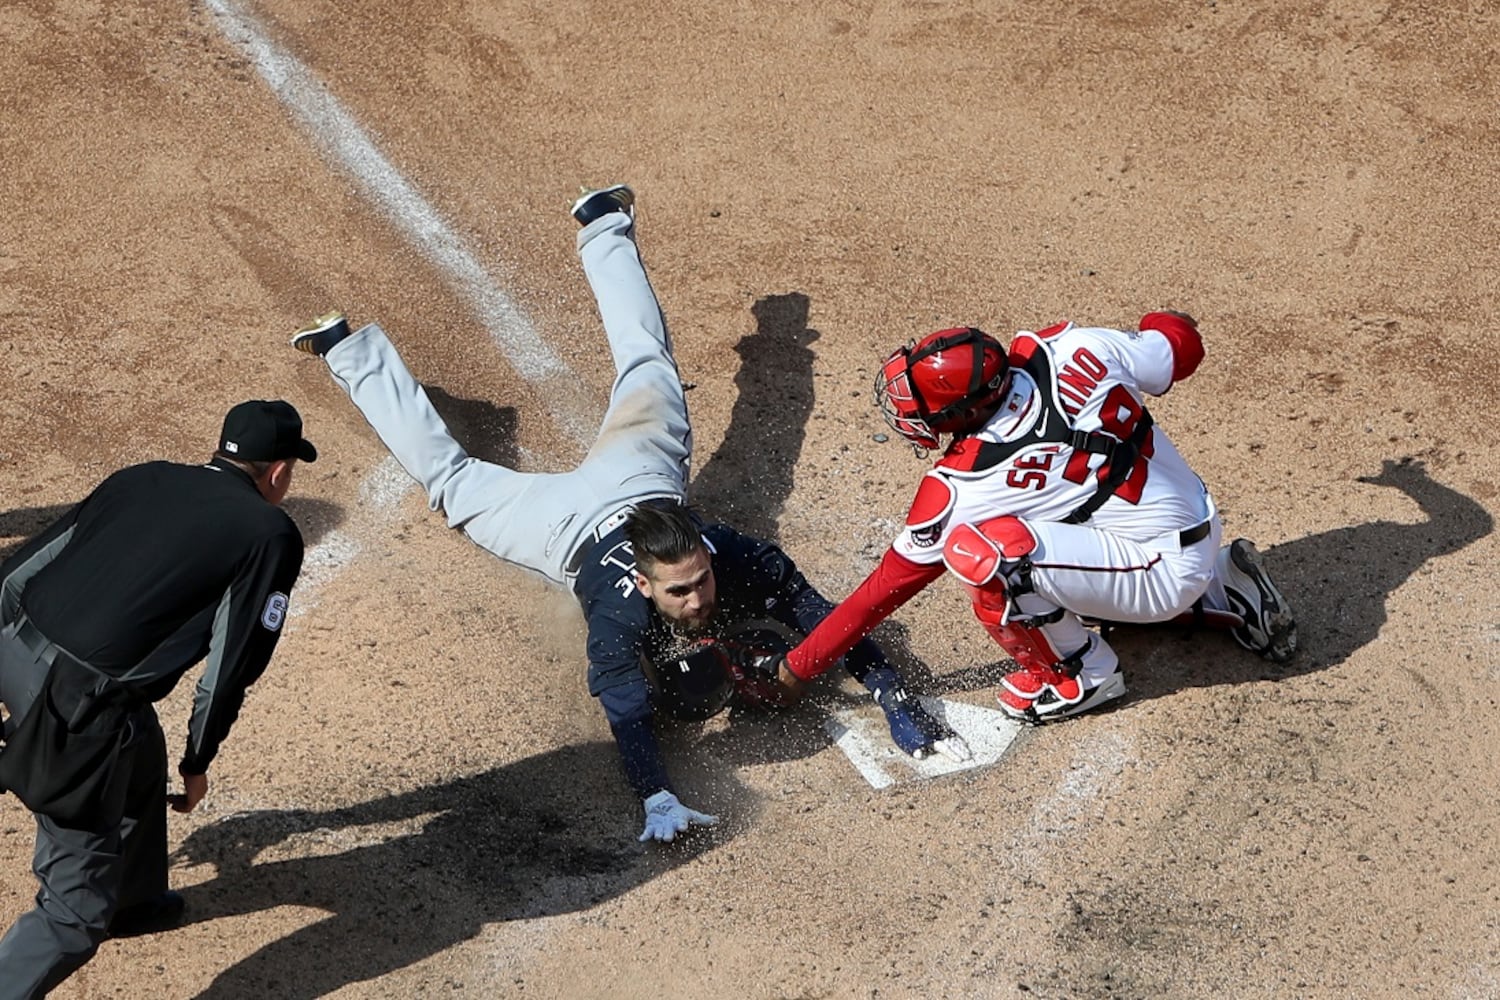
(944, 384)
(696, 685)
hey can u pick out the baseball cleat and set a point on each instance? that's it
(322, 334)
(1269, 628)
(1049, 705)
(597, 204)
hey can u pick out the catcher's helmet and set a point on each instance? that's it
(695, 685)
(941, 385)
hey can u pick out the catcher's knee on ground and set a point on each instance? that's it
(1064, 668)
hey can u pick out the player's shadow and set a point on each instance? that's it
(314, 517)
(1336, 581)
(747, 480)
(405, 877)
(486, 431)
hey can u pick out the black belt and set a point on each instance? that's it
(575, 563)
(1198, 532)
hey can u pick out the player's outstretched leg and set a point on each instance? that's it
(522, 517)
(1269, 627)
(645, 440)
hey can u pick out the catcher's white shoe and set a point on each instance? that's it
(1269, 627)
(1029, 696)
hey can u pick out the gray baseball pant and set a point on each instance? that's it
(84, 875)
(538, 520)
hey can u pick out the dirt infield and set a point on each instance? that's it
(420, 797)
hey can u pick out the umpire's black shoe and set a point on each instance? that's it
(322, 334)
(153, 916)
(593, 205)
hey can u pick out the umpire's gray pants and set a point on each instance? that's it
(537, 520)
(84, 875)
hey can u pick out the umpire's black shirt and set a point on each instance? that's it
(158, 568)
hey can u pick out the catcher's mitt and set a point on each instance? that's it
(754, 672)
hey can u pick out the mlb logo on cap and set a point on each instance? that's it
(261, 430)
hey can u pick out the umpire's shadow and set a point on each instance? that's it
(1336, 581)
(20, 523)
(405, 877)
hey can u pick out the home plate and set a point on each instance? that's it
(866, 741)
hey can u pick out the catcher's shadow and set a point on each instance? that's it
(1336, 581)
(744, 738)
(407, 876)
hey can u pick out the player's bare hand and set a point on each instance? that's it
(194, 787)
(790, 682)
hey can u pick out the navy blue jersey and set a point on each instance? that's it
(755, 581)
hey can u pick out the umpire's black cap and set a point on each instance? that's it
(265, 430)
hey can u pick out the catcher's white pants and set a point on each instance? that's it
(537, 520)
(1102, 575)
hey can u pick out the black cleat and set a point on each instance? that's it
(1269, 627)
(593, 205)
(322, 334)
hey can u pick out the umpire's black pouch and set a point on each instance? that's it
(61, 758)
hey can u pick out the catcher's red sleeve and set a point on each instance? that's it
(891, 584)
(1183, 335)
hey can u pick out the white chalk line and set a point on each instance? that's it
(342, 139)
(385, 488)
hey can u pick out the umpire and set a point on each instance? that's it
(162, 566)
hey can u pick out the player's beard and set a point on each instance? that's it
(699, 626)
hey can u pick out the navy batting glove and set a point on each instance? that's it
(912, 728)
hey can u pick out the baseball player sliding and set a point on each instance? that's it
(653, 579)
(1057, 499)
